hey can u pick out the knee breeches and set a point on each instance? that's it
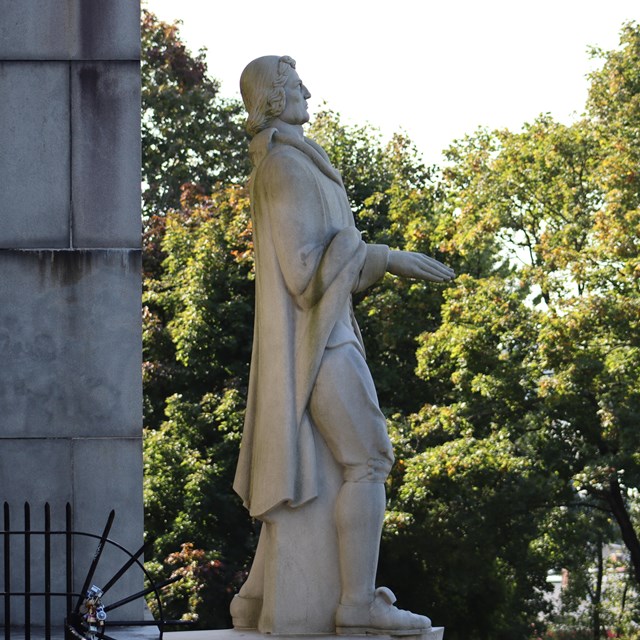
(344, 408)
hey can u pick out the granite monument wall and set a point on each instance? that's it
(70, 272)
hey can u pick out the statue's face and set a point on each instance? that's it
(295, 110)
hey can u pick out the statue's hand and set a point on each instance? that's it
(409, 264)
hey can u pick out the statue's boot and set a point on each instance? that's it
(379, 617)
(363, 608)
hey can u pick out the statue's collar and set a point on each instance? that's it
(263, 142)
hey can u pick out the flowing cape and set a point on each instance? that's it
(309, 259)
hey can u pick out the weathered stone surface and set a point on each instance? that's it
(106, 154)
(70, 331)
(45, 466)
(31, 463)
(107, 30)
(436, 633)
(70, 343)
(35, 29)
(107, 474)
(73, 29)
(35, 157)
(79, 471)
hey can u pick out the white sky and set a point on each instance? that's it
(436, 69)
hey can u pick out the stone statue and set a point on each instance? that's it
(309, 380)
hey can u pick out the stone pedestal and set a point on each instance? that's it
(436, 633)
(70, 328)
(130, 633)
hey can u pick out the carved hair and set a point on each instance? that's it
(262, 88)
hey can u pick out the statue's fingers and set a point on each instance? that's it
(443, 272)
(436, 269)
(440, 266)
(432, 262)
(429, 273)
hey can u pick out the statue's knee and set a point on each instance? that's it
(374, 470)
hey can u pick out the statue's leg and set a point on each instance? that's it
(344, 408)
(359, 518)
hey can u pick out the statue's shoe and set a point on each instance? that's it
(380, 617)
(245, 612)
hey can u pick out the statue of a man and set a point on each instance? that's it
(308, 368)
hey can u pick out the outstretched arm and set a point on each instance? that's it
(410, 264)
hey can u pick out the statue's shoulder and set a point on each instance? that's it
(282, 160)
(289, 161)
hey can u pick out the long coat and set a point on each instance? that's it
(309, 259)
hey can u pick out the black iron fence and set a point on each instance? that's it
(26, 536)
(27, 581)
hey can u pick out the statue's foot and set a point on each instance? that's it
(380, 617)
(245, 612)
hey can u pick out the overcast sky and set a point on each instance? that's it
(436, 69)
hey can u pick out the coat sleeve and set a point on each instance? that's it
(309, 255)
(375, 266)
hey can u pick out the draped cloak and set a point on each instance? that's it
(309, 259)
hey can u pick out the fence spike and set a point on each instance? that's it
(47, 571)
(27, 571)
(69, 556)
(7, 572)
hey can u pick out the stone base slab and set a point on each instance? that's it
(435, 633)
(119, 633)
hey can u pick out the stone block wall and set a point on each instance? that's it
(70, 265)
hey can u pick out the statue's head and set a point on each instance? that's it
(262, 85)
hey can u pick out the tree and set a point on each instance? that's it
(189, 133)
(516, 441)
(535, 366)
(195, 385)
(614, 109)
(196, 284)
(393, 197)
(192, 142)
(468, 499)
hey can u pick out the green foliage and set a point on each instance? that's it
(199, 312)
(189, 133)
(394, 198)
(528, 198)
(201, 595)
(197, 320)
(614, 106)
(357, 152)
(189, 468)
(527, 446)
(513, 392)
(471, 494)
